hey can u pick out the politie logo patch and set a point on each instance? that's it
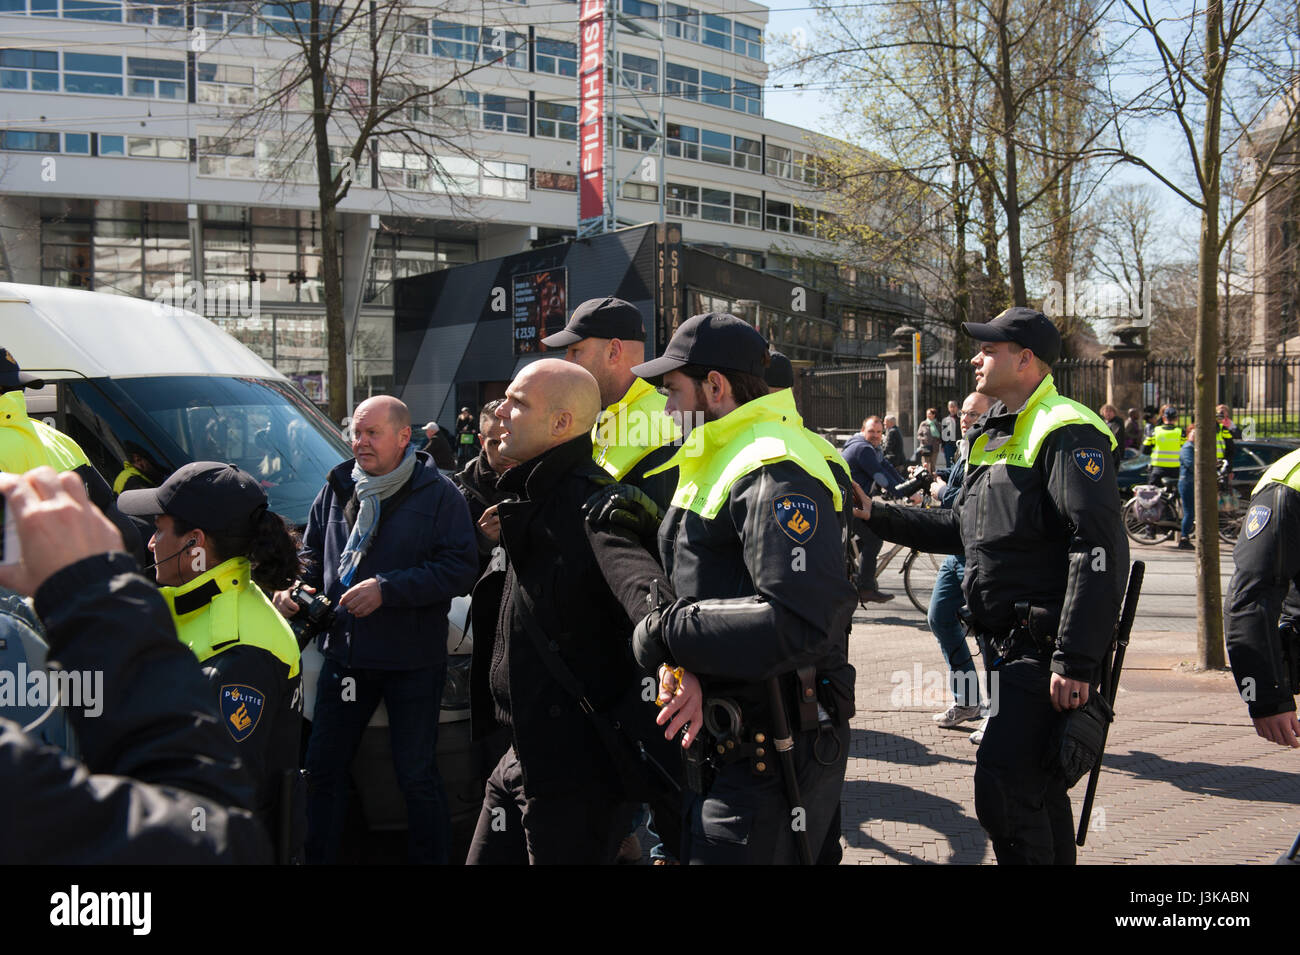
(241, 708)
(797, 515)
(1256, 518)
(1091, 462)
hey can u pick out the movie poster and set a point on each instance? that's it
(541, 303)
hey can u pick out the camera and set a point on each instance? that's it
(315, 615)
(919, 481)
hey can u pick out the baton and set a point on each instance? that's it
(784, 743)
(1110, 685)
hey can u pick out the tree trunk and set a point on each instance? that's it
(331, 275)
(1015, 257)
(1209, 604)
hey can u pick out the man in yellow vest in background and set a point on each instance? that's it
(758, 622)
(1038, 518)
(1164, 444)
(26, 444)
(1264, 651)
(606, 336)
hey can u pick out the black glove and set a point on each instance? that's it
(648, 644)
(623, 506)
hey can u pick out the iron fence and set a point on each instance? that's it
(1263, 394)
(840, 396)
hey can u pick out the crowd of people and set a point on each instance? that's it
(663, 565)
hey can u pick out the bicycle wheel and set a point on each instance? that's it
(1141, 531)
(919, 572)
(1232, 511)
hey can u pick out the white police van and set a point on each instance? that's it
(145, 388)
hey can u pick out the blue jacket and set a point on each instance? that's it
(424, 553)
(868, 466)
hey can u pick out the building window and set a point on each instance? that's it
(557, 121)
(778, 216)
(639, 8)
(92, 73)
(107, 10)
(683, 81)
(162, 13)
(234, 18)
(747, 211)
(222, 84)
(749, 154)
(683, 141)
(31, 141)
(156, 79)
(715, 147)
(639, 191)
(715, 205)
(504, 180)
(749, 41)
(556, 56)
(555, 181)
(505, 114)
(715, 89)
(454, 41)
(29, 70)
(779, 162)
(747, 98)
(717, 32)
(683, 201)
(500, 46)
(639, 73)
(636, 140)
(682, 22)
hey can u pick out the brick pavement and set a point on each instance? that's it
(1185, 778)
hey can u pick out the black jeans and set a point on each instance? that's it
(1023, 806)
(582, 826)
(413, 699)
(868, 550)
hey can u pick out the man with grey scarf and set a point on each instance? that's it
(391, 542)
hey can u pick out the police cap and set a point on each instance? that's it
(780, 373)
(600, 318)
(13, 378)
(713, 340)
(220, 498)
(1026, 327)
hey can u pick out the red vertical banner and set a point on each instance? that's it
(591, 111)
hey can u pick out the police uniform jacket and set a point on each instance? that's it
(156, 760)
(633, 439)
(1264, 587)
(545, 549)
(1038, 519)
(250, 656)
(760, 584)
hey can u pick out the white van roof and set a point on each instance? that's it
(61, 333)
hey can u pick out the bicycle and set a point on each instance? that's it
(919, 568)
(1154, 513)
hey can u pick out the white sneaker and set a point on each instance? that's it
(955, 715)
(978, 735)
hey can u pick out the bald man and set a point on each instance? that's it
(542, 607)
(391, 542)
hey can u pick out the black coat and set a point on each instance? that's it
(545, 549)
(894, 452)
(157, 752)
(478, 484)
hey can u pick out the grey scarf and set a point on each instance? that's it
(370, 490)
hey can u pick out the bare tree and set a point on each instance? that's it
(358, 89)
(1226, 75)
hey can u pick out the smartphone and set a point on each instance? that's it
(10, 553)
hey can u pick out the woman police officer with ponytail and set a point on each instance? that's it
(215, 545)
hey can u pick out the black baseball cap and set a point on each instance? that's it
(713, 340)
(220, 498)
(1026, 327)
(13, 378)
(600, 318)
(779, 373)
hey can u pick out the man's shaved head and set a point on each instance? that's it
(395, 408)
(549, 402)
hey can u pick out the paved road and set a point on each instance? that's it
(1185, 779)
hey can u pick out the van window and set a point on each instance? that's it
(263, 426)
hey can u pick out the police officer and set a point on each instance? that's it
(606, 336)
(1262, 649)
(26, 444)
(216, 545)
(752, 546)
(1038, 520)
(1165, 442)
